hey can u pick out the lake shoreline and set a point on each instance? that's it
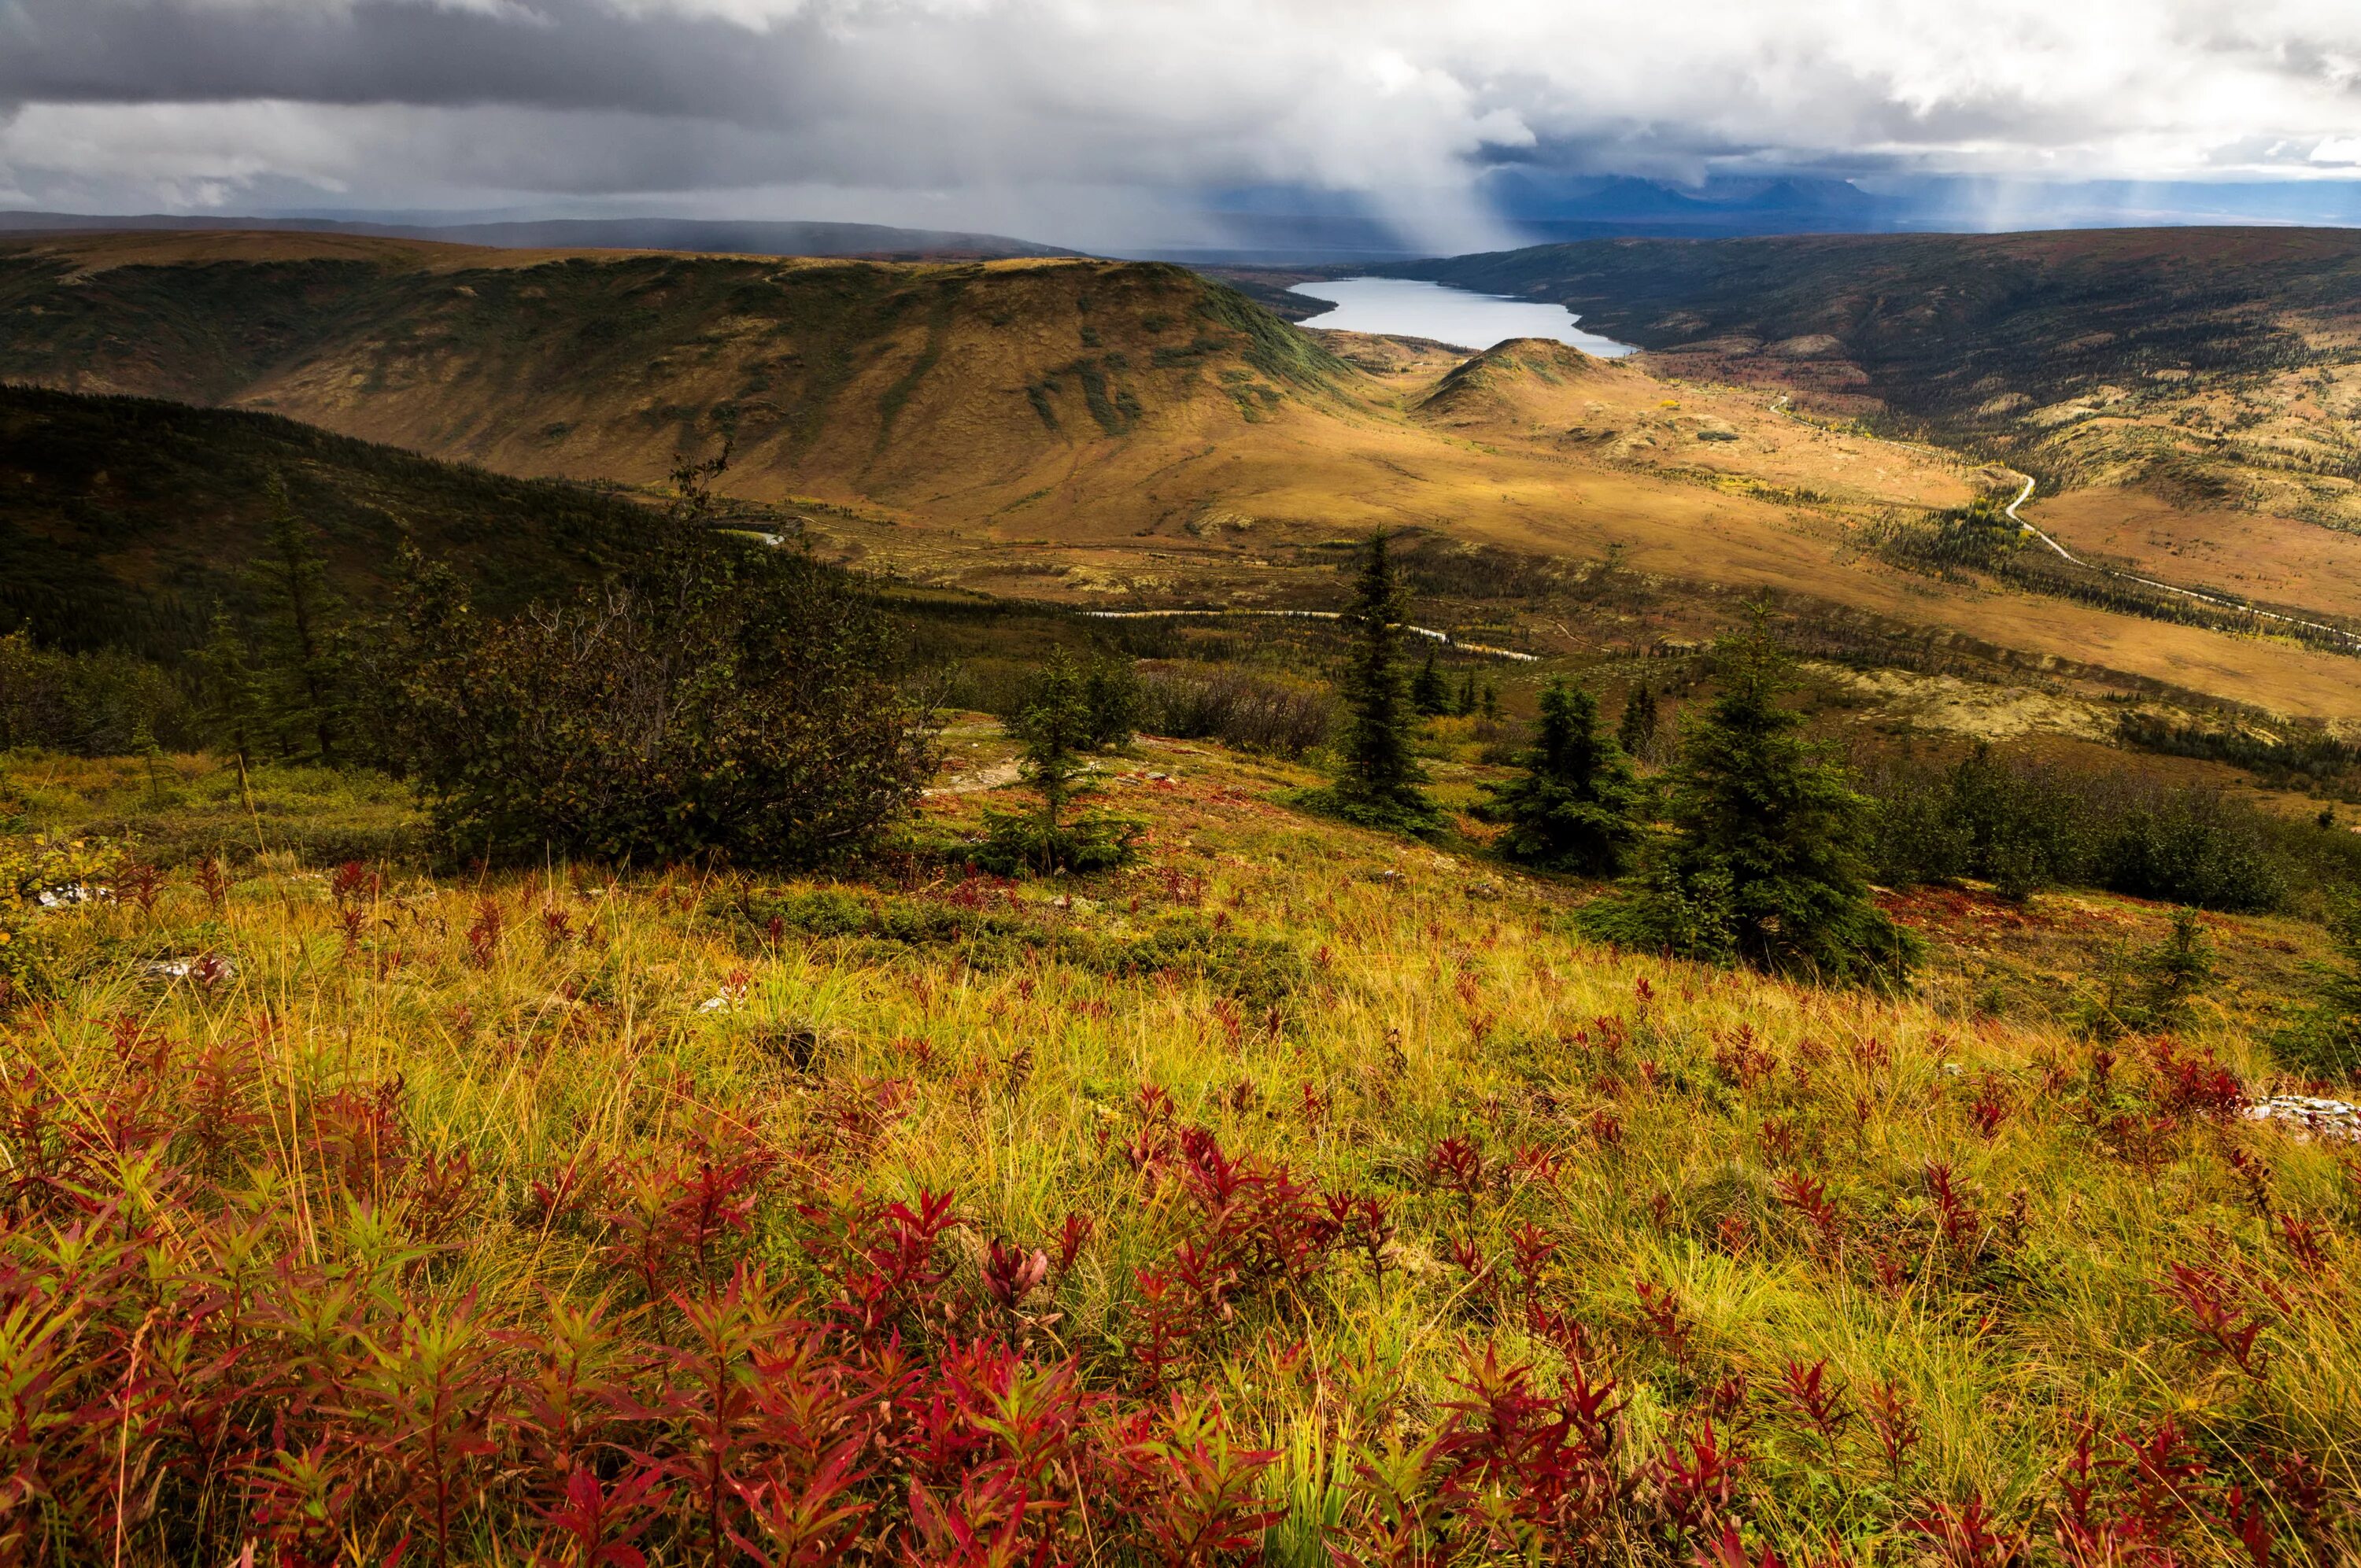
(1457, 318)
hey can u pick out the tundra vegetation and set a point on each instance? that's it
(1279, 1197)
(397, 1171)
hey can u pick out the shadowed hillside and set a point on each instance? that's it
(126, 521)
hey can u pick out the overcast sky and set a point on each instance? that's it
(1108, 122)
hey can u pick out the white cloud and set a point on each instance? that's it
(476, 99)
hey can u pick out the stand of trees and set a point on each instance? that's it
(1767, 858)
(1578, 807)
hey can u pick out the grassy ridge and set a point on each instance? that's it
(1898, 1261)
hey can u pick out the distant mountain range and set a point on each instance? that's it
(749, 238)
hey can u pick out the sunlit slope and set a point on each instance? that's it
(2217, 368)
(1547, 394)
(1055, 427)
(960, 385)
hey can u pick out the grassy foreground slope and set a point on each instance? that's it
(317, 1166)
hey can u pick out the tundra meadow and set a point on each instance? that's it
(1297, 1195)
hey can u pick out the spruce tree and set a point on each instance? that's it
(1379, 783)
(1637, 731)
(1466, 707)
(1576, 808)
(298, 615)
(1490, 706)
(227, 695)
(1428, 692)
(1767, 862)
(1056, 729)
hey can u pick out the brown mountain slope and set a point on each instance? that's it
(1548, 396)
(1055, 427)
(2216, 369)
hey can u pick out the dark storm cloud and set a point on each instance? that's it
(1102, 109)
(557, 56)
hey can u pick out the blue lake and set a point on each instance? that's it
(1404, 307)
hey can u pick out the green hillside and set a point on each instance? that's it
(125, 522)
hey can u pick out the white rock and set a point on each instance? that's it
(2336, 1119)
(180, 968)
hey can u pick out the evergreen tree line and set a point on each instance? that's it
(285, 680)
(1762, 854)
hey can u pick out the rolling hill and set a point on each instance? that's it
(2204, 380)
(126, 521)
(1076, 429)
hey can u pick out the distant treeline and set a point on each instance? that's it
(131, 523)
(2025, 826)
(2303, 757)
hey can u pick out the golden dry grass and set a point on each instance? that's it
(959, 425)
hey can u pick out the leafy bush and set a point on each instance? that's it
(38, 873)
(1978, 818)
(715, 698)
(1245, 711)
(2191, 847)
(2025, 826)
(103, 704)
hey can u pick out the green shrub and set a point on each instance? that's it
(2013, 827)
(2324, 1041)
(1260, 972)
(2024, 826)
(1017, 842)
(2191, 847)
(716, 697)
